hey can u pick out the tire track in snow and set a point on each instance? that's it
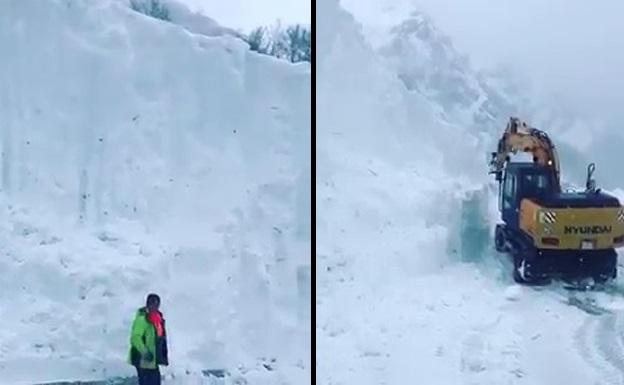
(599, 344)
(608, 343)
(586, 349)
(472, 354)
(488, 361)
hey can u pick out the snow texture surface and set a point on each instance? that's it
(137, 156)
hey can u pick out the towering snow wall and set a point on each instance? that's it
(136, 156)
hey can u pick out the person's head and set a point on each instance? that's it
(153, 302)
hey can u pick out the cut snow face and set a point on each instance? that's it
(425, 60)
(138, 156)
(408, 284)
(194, 22)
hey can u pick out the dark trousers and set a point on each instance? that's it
(148, 376)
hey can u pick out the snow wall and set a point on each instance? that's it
(138, 156)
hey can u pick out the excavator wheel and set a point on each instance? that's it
(523, 272)
(499, 239)
(520, 270)
(517, 275)
(608, 268)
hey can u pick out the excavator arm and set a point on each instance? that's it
(518, 136)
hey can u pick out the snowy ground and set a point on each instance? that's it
(139, 156)
(409, 289)
(461, 326)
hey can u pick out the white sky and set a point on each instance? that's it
(571, 48)
(248, 14)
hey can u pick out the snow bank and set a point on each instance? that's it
(120, 108)
(139, 156)
(391, 184)
(381, 170)
(196, 22)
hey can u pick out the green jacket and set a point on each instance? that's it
(143, 339)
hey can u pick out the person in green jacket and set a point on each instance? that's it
(148, 342)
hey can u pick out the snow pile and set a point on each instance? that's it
(196, 22)
(426, 61)
(386, 195)
(67, 296)
(379, 163)
(138, 156)
(408, 286)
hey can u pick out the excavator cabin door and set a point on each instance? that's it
(521, 182)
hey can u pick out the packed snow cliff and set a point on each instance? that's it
(140, 155)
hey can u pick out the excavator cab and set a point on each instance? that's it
(523, 180)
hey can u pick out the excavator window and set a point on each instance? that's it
(535, 185)
(509, 191)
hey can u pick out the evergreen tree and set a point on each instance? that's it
(153, 8)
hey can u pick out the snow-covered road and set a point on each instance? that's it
(464, 326)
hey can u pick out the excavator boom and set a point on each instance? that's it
(519, 136)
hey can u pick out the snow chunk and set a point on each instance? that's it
(514, 292)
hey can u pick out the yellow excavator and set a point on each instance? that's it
(549, 233)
